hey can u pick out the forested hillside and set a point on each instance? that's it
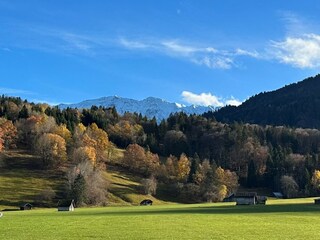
(295, 105)
(194, 157)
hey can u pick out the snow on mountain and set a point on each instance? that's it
(149, 107)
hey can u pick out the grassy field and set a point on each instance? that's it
(280, 219)
(21, 180)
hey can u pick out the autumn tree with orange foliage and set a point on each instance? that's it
(141, 161)
(9, 133)
(83, 154)
(1, 140)
(52, 148)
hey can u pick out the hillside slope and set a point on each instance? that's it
(21, 181)
(295, 105)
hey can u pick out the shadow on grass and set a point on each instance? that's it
(261, 209)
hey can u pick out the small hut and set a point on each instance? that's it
(66, 205)
(262, 200)
(245, 198)
(317, 201)
(146, 202)
(26, 206)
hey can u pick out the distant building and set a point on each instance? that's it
(26, 206)
(317, 201)
(146, 202)
(246, 198)
(229, 198)
(277, 194)
(66, 205)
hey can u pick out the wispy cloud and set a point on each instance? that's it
(300, 47)
(220, 62)
(294, 24)
(242, 52)
(5, 49)
(208, 99)
(301, 52)
(133, 44)
(54, 40)
(207, 56)
(14, 91)
(174, 47)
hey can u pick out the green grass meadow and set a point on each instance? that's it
(280, 219)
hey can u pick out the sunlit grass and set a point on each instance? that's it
(194, 221)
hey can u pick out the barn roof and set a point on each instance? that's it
(26, 205)
(278, 194)
(246, 194)
(65, 203)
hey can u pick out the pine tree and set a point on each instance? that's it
(252, 175)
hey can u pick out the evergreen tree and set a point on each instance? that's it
(78, 190)
(24, 113)
(195, 161)
(252, 175)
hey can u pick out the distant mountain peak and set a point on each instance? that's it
(149, 107)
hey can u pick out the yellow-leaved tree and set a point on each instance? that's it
(9, 133)
(315, 180)
(183, 168)
(52, 148)
(83, 154)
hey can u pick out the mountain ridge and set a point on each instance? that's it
(149, 107)
(294, 105)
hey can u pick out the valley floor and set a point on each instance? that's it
(279, 219)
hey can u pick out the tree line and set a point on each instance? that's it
(197, 158)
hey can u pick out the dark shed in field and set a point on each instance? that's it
(246, 198)
(262, 200)
(146, 202)
(66, 205)
(317, 201)
(26, 206)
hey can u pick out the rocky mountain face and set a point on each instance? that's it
(149, 107)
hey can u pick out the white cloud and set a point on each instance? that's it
(208, 99)
(45, 101)
(301, 52)
(203, 99)
(233, 102)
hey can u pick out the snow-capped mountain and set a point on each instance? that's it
(149, 107)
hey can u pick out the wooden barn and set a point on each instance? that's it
(317, 201)
(246, 198)
(66, 205)
(229, 198)
(26, 206)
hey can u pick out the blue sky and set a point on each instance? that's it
(188, 51)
